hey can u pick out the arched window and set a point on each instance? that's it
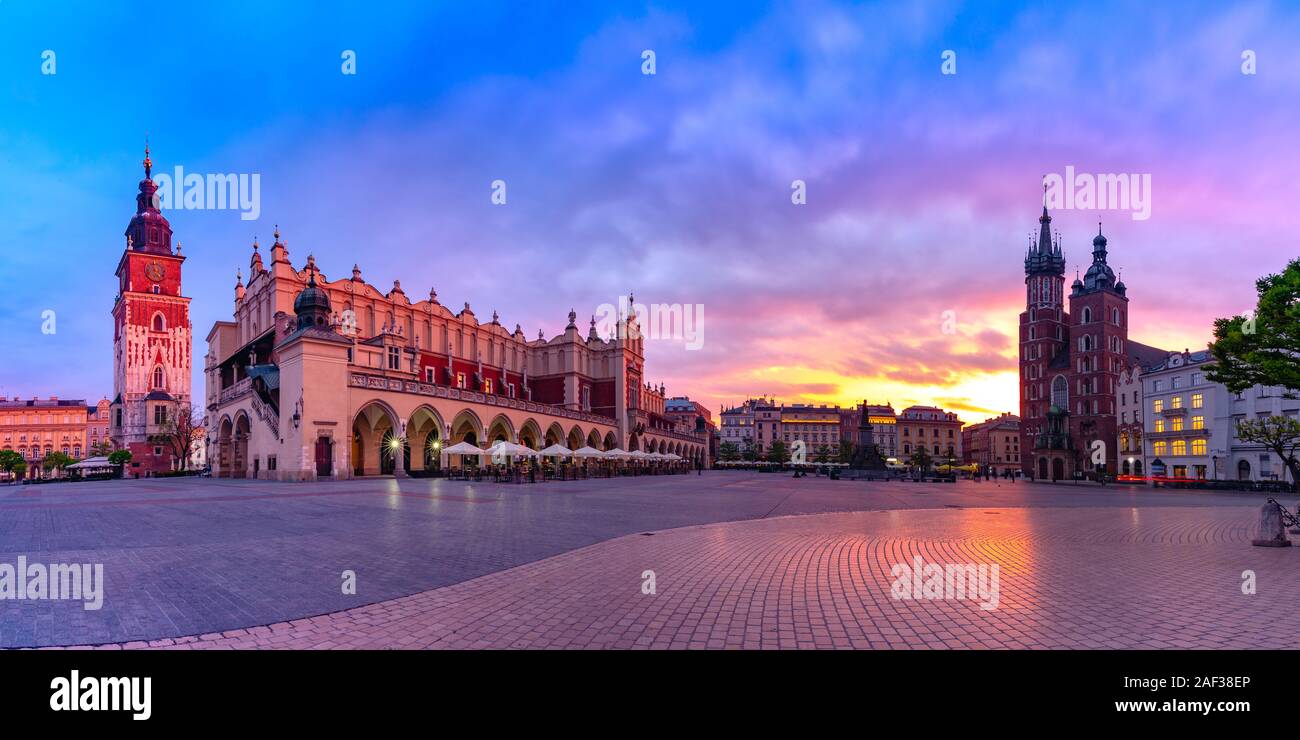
(1087, 314)
(158, 377)
(159, 323)
(1060, 392)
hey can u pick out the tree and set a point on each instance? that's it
(750, 452)
(729, 452)
(1263, 349)
(921, 458)
(119, 457)
(846, 451)
(56, 460)
(1281, 434)
(11, 461)
(179, 431)
(778, 452)
(823, 454)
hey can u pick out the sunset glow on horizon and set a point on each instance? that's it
(923, 188)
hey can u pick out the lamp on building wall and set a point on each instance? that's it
(297, 413)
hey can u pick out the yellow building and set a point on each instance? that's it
(36, 427)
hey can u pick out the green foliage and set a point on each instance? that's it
(750, 452)
(823, 454)
(1264, 348)
(921, 458)
(778, 452)
(846, 451)
(12, 462)
(1281, 434)
(729, 452)
(56, 461)
(119, 457)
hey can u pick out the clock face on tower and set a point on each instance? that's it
(154, 271)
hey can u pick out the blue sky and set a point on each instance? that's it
(922, 186)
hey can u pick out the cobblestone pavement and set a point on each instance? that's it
(560, 565)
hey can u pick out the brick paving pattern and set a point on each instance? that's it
(535, 566)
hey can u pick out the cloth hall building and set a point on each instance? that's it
(323, 378)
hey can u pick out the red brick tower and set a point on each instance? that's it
(1043, 335)
(1098, 339)
(151, 335)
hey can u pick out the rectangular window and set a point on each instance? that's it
(1158, 448)
(487, 385)
(1158, 405)
(1176, 402)
(1198, 400)
(460, 380)
(1160, 425)
(428, 375)
(394, 358)
(1198, 422)
(1179, 447)
(1176, 424)
(159, 414)
(1198, 447)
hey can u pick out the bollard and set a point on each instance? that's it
(1270, 532)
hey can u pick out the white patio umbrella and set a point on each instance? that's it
(638, 455)
(556, 450)
(587, 452)
(672, 456)
(464, 448)
(617, 454)
(503, 448)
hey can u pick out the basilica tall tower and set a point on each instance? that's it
(152, 339)
(1044, 331)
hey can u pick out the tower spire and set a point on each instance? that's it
(148, 163)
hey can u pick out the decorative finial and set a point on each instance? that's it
(239, 277)
(178, 247)
(433, 296)
(128, 241)
(277, 233)
(148, 163)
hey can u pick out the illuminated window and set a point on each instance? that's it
(1176, 402)
(1198, 422)
(1176, 424)
(460, 380)
(1158, 405)
(1160, 425)
(1198, 447)
(487, 385)
(1179, 447)
(1158, 448)
(1198, 400)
